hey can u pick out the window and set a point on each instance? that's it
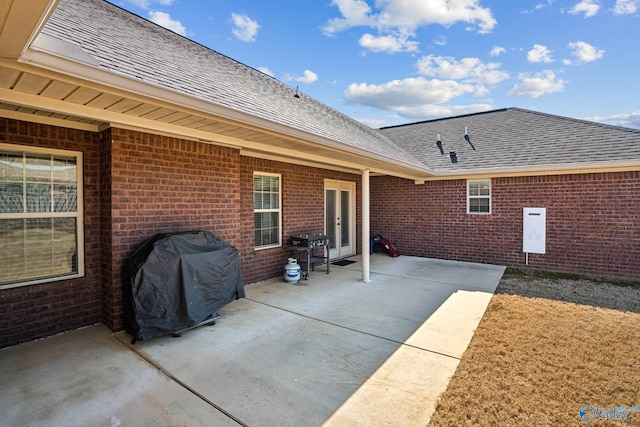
(479, 197)
(40, 215)
(266, 210)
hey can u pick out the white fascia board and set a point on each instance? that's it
(150, 126)
(62, 57)
(46, 120)
(555, 169)
(23, 21)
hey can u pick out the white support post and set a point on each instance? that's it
(366, 226)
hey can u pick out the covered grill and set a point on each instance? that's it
(177, 281)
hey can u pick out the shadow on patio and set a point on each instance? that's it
(331, 350)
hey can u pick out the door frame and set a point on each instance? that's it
(339, 186)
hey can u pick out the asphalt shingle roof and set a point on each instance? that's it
(131, 46)
(123, 43)
(514, 138)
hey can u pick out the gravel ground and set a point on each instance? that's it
(618, 296)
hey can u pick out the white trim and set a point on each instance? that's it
(48, 52)
(366, 227)
(78, 214)
(46, 120)
(279, 210)
(339, 186)
(469, 196)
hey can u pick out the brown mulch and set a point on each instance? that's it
(546, 347)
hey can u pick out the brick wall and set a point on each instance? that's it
(137, 185)
(157, 185)
(302, 211)
(35, 311)
(593, 221)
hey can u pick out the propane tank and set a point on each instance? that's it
(292, 271)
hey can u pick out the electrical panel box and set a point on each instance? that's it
(534, 223)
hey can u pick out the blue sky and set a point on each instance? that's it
(388, 62)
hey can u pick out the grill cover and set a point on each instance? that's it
(176, 281)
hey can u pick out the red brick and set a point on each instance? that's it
(592, 221)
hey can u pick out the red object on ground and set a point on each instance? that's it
(391, 250)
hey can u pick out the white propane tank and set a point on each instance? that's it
(292, 271)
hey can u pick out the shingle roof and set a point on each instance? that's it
(131, 46)
(514, 138)
(508, 139)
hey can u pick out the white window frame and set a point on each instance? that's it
(278, 210)
(78, 214)
(476, 196)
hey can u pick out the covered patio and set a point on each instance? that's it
(332, 350)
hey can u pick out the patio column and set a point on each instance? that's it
(365, 226)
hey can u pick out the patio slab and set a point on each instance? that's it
(332, 350)
(88, 378)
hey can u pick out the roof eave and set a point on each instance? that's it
(54, 55)
(550, 169)
(20, 23)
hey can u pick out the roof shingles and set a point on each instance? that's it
(136, 48)
(516, 138)
(511, 138)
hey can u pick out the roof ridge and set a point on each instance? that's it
(583, 121)
(446, 118)
(523, 110)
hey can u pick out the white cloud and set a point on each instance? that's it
(585, 52)
(539, 53)
(389, 44)
(537, 85)
(164, 19)
(440, 41)
(588, 7)
(400, 18)
(543, 5)
(355, 13)
(631, 120)
(626, 7)
(244, 28)
(413, 98)
(415, 13)
(307, 77)
(372, 123)
(408, 93)
(145, 4)
(266, 71)
(539, 6)
(426, 112)
(497, 51)
(469, 70)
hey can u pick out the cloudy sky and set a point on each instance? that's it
(387, 62)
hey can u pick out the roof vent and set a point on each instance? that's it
(439, 144)
(466, 136)
(453, 156)
(297, 95)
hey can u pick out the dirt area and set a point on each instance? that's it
(547, 348)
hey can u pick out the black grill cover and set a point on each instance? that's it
(176, 281)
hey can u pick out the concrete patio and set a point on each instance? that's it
(328, 351)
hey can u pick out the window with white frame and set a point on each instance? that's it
(479, 197)
(266, 210)
(40, 215)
